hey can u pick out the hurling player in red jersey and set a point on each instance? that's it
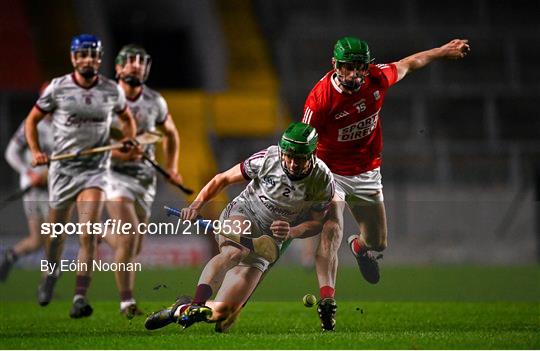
(344, 107)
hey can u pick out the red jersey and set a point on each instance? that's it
(350, 136)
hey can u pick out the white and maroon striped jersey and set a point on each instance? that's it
(81, 119)
(272, 195)
(149, 110)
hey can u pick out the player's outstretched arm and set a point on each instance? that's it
(453, 50)
(171, 148)
(32, 137)
(210, 190)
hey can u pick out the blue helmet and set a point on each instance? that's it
(85, 41)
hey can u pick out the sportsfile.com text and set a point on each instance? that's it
(119, 227)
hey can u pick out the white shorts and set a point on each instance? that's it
(122, 185)
(64, 189)
(364, 187)
(237, 208)
(36, 204)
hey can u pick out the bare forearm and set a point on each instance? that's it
(306, 229)
(421, 59)
(210, 190)
(129, 127)
(31, 132)
(172, 150)
(453, 50)
(216, 185)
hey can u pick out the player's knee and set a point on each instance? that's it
(223, 311)
(127, 245)
(87, 242)
(223, 326)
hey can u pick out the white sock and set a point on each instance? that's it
(127, 303)
(78, 296)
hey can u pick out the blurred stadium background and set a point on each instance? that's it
(461, 169)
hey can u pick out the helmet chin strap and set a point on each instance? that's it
(132, 81)
(87, 73)
(354, 86)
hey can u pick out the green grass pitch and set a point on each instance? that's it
(448, 307)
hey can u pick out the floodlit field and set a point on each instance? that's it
(453, 307)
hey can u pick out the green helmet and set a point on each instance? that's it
(139, 53)
(299, 139)
(351, 49)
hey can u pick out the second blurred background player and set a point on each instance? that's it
(33, 181)
(132, 186)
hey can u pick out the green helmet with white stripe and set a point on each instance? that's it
(297, 148)
(299, 139)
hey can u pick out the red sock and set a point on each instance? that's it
(327, 292)
(202, 294)
(126, 295)
(81, 285)
(356, 246)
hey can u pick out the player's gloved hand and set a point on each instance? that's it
(39, 158)
(280, 230)
(189, 213)
(129, 152)
(135, 154)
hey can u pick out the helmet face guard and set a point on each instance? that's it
(351, 55)
(86, 53)
(135, 64)
(297, 150)
(296, 167)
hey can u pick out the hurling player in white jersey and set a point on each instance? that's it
(132, 185)
(82, 105)
(36, 198)
(287, 196)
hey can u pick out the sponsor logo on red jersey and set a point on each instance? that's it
(360, 129)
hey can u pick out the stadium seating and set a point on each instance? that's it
(518, 118)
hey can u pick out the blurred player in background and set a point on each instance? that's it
(132, 185)
(344, 107)
(287, 197)
(36, 198)
(82, 105)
